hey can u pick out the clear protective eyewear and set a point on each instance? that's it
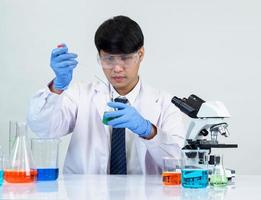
(125, 60)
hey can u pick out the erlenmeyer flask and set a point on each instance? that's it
(218, 177)
(20, 168)
(12, 135)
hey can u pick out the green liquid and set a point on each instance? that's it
(106, 120)
(218, 180)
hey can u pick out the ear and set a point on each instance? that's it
(141, 53)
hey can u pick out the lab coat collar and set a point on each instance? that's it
(131, 96)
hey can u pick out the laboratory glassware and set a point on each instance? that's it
(171, 174)
(46, 157)
(218, 177)
(1, 166)
(194, 173)
(12, 134)
(20, 167)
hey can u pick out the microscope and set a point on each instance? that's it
(207, 123)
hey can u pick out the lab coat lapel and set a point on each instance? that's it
(149, 107)
(101, 97)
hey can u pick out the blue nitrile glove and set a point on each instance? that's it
(127, 117)
(62, 64)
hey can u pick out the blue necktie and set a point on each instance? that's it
(118, 164)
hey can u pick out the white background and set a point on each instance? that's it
(206, 47)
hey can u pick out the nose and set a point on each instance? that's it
(117, 68)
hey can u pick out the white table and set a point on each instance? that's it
(133, 187)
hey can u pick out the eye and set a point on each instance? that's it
(125, 58)
(108, 59)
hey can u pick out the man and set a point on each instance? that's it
(143, 127)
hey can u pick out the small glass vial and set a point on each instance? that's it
(218, 177)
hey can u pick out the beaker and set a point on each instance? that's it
(120, 99)
(104, 119)
(171, 174)
(20, 167)
(1, 166)
(194, 169)
(46, 155)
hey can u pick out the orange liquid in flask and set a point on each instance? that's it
(12, 176)
(171, 178)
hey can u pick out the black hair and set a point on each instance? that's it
(119, 34)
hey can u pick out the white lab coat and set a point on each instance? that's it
(76, 111)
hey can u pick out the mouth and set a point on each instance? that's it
(118, 78)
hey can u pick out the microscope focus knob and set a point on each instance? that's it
(204, 132)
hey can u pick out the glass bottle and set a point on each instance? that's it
(20, 168)
(218, 177)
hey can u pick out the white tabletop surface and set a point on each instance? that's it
(127, 187)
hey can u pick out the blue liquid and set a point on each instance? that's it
(194, 178)
(1, 177)
(49, 174)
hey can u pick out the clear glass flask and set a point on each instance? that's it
(20, 168)
(12, 134)
(218, 177)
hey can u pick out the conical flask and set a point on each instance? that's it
(218, 177)
(20, 167)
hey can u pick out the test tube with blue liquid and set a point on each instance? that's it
(46, 156)
(194, 170)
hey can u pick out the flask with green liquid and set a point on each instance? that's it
(218, 177)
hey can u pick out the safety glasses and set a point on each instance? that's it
(124, 60)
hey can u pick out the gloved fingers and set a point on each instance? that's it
(71, 67)
(122, 125)
(59, 51)
(113, 114)
(117, 105)
(117, 121)
(66, 64)
(65, 56)
(67, 70)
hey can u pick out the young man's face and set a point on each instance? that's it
(121, 70)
